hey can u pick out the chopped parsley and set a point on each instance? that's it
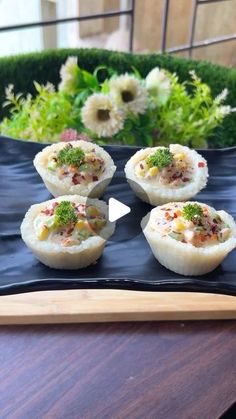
(161, 158)
(65, 214)
(192, 212)
(71, 156)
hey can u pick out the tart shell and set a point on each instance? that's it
(156, 194)
(59, 187)
(72, 257)
(184, 258)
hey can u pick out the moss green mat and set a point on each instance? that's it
(21, 70)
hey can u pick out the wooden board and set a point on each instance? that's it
(74, 306)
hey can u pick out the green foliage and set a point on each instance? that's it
(189, 118)
(192, 212)
(70, 156)
(161, 158)
(23, 69)
(40, 119)
(65, 214)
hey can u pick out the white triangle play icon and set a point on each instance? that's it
(116, 209)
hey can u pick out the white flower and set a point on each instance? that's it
(222, 96)
(9, 91)
(193, 74)
(159, 85)
(49, 87)
(69, 76)
(129, 93)
(101, 115)
(222, 111)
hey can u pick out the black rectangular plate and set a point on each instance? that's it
(127, 262)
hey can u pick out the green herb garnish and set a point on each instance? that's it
(65, 214)
(192, 212)
(161, 158)
(71, 156)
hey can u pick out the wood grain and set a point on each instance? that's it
(168, 370)
(112, 305)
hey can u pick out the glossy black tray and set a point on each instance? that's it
(127, 261)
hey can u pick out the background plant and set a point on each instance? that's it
(189, 116)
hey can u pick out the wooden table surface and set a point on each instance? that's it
(118, 370)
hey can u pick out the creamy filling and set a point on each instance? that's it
(87, 222)
(206, 230)
(88, 169)
(178, 173)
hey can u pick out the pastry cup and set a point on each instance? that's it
(56, 256)
(59, 187)
(184, 258)
(154, 193)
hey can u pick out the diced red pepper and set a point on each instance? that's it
(75, 179)
(201, 164)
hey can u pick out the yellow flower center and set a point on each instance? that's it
(103, 115)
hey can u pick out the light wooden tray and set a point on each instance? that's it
(76, 306)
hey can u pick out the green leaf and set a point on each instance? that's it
(90, 80)
(81, 97)
(129, 138)
(105, 87)
(149, 140)
(136, 72)
(37, 86)
(80, 80)
(99, 68)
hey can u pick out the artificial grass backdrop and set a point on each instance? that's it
(22, 70)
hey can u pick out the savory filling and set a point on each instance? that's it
(191, 223)
(166, 168)
(68, 223)
(81, 167)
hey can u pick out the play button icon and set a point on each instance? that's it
(123, 207)
(116, 209)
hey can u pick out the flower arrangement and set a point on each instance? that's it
(122, 109)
